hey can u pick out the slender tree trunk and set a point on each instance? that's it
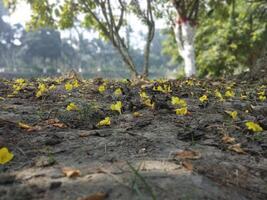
(185, 35)
(147, 54)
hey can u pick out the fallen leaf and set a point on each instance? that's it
(187, 154)
(96, 196)
(71, 173)
(56, 123)
(24, 126)
(236, 148)
(187, 165)
(227, 139)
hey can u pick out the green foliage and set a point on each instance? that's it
(229, 38)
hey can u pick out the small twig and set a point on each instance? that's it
(143, 180)
(21, 151)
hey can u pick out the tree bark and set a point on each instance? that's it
(185, 35)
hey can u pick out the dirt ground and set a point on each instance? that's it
(145, 153)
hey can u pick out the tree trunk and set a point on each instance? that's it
(185, 35)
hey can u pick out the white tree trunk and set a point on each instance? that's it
(185, 35)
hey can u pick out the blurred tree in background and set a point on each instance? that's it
(230, 37)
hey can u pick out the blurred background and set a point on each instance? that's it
(227, 42)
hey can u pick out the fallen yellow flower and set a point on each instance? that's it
(41, 90)
(229, 93)
(116, 107)
(75, 84)
(178, 101)
(102, 88)
(149, 103)
(233, 114)
(72, 107)
(218, 95)
(181, 111)
(253, 126)
(68, 86)
(5, 156)
(105, 122)
(203, 98)
(262, 98)
(144, 95)
(118, 92)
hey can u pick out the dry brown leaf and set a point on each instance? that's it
(59, 125)
(187, 154)
(71, 173)
(187, 165)
(236, 148)
(34, 128)
(84, 135)
(56, 123)
(227, 139)
(96, 196)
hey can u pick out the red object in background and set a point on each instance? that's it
(182, 20)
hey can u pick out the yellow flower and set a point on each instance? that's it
(203, 98)
(102, 88)
(167, 89)
(72, 107)
(262, 98)
(117, 106)
(158, 88)
(164, 89)
(118, 92)
(41, 89)
(218, 95)
(5, 156)
(254, 126)
(52, 87)
(233, 114)
(144, 95)
(75, 84)
(104, 122)
(189, 82)
(149, 103)
(20, 81)
(262, 93)
(178, 101)
(229, 93)
(68, 86)
(137, 114)
(181, 111)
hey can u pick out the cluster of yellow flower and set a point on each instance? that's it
(182, 110)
